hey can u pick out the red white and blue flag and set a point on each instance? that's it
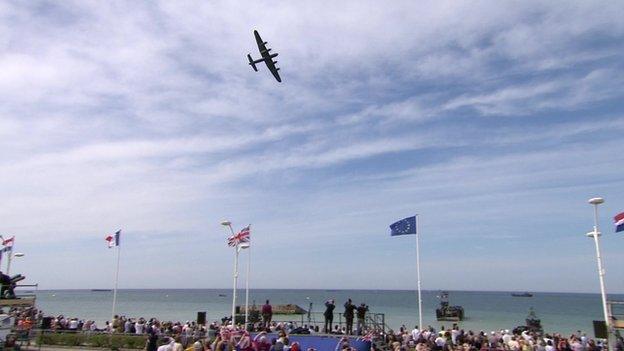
(113, 240)
(241, 237)
(619, 222)
(8, 242)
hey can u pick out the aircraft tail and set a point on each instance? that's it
(252, 63)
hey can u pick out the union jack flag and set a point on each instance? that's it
(368, 337)
(240, 237)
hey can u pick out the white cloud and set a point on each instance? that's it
(148, 115)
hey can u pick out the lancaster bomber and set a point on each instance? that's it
(266, 57)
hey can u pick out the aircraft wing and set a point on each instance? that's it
(272, 68)
(261, 45)
(266, 56)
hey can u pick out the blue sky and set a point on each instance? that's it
(494, 121)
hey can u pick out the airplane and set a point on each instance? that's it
(266, 57)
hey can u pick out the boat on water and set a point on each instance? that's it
(101, 290)
(524, 294)
(446, 312)
(533, 324)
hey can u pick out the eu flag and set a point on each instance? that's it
(404, 226)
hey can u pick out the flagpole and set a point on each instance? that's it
(420, 319)
(247, 286)
(229, 224)
(601, 271)
(2, 250)
(115, 290)
(234, 288)
(9, 261)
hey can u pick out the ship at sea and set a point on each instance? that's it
(446, 312)
(524, 294)
(533, 324)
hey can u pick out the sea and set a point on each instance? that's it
(559, 312)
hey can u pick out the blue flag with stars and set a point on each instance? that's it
(404, 226)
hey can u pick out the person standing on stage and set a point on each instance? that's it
(329, 315)
(267, 314)
(361, 318)
(349, 314)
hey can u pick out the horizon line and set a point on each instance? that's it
(346, 289)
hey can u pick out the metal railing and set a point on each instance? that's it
(372, 321)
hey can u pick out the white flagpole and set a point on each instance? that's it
(420, 319)
(247, 285)
(601, 271)
(116, 284)
(234, 288)
(1, 250)
(9, 258)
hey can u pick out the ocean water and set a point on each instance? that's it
(559, 312)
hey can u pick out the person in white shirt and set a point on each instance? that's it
(506, 337)
(415, 333)
(128, 326)
(168, 346)
(440, 341)
(454, 334)
(513, 344)
(73, 324)
(576, 345)
(138, 327)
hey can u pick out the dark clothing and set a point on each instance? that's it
(267, 315)
(348, 313)
(349, 309)
(7, 287)
(329, 316)
(361, 312)
(361, 316)
(152, 340)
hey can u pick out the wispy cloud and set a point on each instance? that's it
(146, 116)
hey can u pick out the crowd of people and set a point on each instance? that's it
(456, 339)
(269, 335)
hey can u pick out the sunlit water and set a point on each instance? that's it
(559, 312)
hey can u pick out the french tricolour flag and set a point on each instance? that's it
(619, 222)
(113, 240)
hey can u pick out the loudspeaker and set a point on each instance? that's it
(201, 318)
(46, 322)
(600, 330)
